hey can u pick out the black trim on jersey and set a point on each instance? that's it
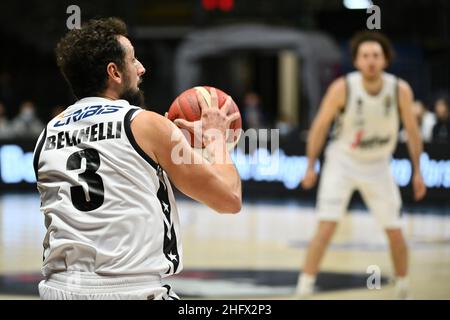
(129, 133)
(170, 246)
(37, 153)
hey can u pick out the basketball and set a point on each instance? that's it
(186, 106)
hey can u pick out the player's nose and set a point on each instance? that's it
(140, 68)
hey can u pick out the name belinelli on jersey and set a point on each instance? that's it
(96, 132)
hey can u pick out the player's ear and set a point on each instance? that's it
(113, 72)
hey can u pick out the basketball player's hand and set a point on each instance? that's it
(213, 120)
(310, 178)
(419, 187)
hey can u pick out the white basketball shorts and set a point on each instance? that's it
(342, 175)
(84, 286)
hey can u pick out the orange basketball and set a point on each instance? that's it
(186, 106)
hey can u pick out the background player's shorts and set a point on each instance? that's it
(341, 175)
(72, 286)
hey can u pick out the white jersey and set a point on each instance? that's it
(367, 128)
(109, 208)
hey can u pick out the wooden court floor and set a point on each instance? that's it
(264, 236)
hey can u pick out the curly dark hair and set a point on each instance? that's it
(83, 54)
(364, 36)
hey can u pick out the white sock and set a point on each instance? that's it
(305, 284)
(402, 287)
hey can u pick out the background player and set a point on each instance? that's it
(103, 168)
(367, 105)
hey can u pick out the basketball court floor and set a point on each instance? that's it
(257, 253)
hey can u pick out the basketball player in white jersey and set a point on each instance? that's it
(367, 106)
(103, 168)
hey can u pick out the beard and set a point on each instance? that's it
(134, 97)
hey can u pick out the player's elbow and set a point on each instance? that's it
(231, 204)
(235, 204)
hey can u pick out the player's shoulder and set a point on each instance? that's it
(336, 95)
(338, 89)
(403, 84)
(338, 84)
(405, 94)
(153, 132)
(151, 121)
(403, 87)
(150, 116)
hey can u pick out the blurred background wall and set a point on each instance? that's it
(279, 55)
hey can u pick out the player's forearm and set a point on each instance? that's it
(227, 188)
(316, 140)
(229, 176)
(228, 179)
(232, 183)
(415, 148)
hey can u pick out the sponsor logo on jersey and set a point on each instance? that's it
(83, 113)
(359, 106)
(358, 138)
(369, 143)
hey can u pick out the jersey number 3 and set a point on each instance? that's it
(95, 195)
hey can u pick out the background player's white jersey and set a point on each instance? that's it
(367, 128)
(109, 208)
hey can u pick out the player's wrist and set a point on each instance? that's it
(214, 136)
(417, 173)
(311, 164)
(216, 146)
(217, 154)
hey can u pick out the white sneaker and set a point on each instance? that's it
(305, 286)
(402, 289)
